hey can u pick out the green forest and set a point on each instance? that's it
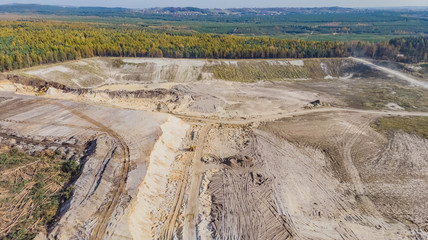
(29, 43)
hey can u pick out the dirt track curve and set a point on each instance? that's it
(273, 117)
(352, 170)
(107, 211)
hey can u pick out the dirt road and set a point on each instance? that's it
(168, 228)
(195, 183)
(274, 117)
(107, 210)
(195, 163)
(398, 74)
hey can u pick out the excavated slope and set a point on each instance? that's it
(97, 72)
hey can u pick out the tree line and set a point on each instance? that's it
(26, 44)
(403, 49)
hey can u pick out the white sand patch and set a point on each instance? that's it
(348, 76)
(43, 71)
(166, 61)
(81, 63)
(394, 106)
(284, 63)
(324, 68)
(231, 63)
(415, 68)
(7, 86)
(53, 91)
(296, 79)
(136, 87)
(299, 63)
(152, 189)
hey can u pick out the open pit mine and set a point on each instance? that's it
(216, 149)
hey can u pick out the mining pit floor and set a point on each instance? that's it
(177, 154)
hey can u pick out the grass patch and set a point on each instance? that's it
(270, 70)
(411, 99)
(411, 125)
(255, 71)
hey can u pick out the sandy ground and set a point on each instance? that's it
(177, 157)
(218, 99)
(136, 87)
(38, 118)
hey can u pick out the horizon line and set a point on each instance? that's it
(312, 7)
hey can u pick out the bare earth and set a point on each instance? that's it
(175, 153)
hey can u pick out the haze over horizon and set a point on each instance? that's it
(225, 3)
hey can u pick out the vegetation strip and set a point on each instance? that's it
(25, 44)
(412, 125)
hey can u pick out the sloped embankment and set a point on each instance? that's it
(152, 189)
(97, 72)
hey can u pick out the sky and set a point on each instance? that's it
(226, 3)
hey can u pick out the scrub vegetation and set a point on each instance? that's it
(412, 125)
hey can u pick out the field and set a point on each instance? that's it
(352, 27)
(326, 24)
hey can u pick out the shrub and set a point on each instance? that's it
(70, 167)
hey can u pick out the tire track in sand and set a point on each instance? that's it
(352, 170)
(195, 184)
(107, 211)
(168, 229)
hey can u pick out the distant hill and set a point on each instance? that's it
(63, 10)
(125, 12)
